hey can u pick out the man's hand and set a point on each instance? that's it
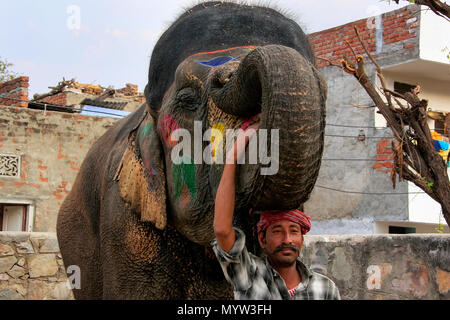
(225, 197)
(241, 143)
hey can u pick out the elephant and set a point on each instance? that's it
(138, 222)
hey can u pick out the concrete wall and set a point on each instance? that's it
(435, 92)
(359, 167)
(363, 267)
(52, 146)
(434, 37)
(31, 267)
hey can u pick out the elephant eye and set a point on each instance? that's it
(187, 98)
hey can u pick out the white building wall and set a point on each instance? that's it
(434, 37)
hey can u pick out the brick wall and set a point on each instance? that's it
(51, 147)
(384, 156)
(399, 28)
(16, 89)
(401, 25)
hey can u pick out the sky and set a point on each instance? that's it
(109, 42)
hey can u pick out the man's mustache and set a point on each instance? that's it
(286, 246)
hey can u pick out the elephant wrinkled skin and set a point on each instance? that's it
(138, 222)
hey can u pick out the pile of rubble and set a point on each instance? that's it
(129, 92)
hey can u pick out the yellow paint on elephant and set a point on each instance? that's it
(217, 140)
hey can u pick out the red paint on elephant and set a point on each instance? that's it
(250, 48)
(169, 124)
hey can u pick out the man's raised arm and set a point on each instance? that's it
(225, 197)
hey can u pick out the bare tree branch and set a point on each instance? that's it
(438, 7)
(415, 158)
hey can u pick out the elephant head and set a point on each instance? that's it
(218, 66)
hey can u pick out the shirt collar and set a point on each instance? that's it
(301, 267)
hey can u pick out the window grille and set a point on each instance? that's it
(9, 165)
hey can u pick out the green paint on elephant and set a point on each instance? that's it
(147, 130)
(184, 173)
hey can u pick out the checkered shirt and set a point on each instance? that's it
(253, 278)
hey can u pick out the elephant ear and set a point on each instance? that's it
(142, 182)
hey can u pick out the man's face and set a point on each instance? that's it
(282, 242)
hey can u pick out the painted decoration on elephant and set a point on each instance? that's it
(249, 48)
(169, 124)
(218, 61)
(144, 141)
(217, 140)
(146, 130)
(246, 122)
(184, 175)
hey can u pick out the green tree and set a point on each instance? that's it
(5, 73)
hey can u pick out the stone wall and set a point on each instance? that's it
(31, 267)
(371, 267)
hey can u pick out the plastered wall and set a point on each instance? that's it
(51, 146)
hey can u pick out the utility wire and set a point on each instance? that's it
(353, 126)
(78, 111)
(440, 131)
(319, 186)
(384, 160)
(355, 137)
(119, 116)
(372, 193)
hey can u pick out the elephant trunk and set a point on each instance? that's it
(290, 94)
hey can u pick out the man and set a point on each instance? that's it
(280, 234)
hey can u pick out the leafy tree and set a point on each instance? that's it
(5, 73)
